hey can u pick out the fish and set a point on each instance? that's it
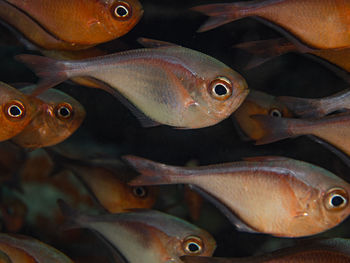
(25, 249)
(147, 235)
(332, 250)
(13, 213)
(333, 129)
(258, 102)
(16, 111)
(267, 194)
(321, 24)
(71, 25)
(170, 84)
(60, 117)
(109, 187)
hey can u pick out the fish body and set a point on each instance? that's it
(59, 118)
(334, 250)
(29, 250)
(69, 25)
(171, 85)
(333, 129)
(258, 102)
(322, 24)
(273, 195)
(146, 235)
(16, 111)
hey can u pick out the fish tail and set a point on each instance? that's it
(302, 107)
(265, 50)
(220, 14)
(276, 129)
(152, 173)
(50, 71)
(70, 216)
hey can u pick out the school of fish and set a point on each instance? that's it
(67, 196)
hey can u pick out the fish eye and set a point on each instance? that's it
(275, 113)
(336, 199)
(193, 245)
(139, 191)
(64, 111)
(14, 110)
(220, 88)
(122, 10)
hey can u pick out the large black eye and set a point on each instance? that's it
(193, 245)
(336, 199)
(276, 113)
(221, 88)
(121, 10)
(64, 111)
(14, 110)
(139, 191)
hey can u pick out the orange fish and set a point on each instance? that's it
(61, 116)
(334, 129)
(258, 102)
(170, 84)
(22, 249)
(334, 250)
(146, 236)
(71, 24)
(109, 186)
(322, 24)
(16, 111)
(13, 212)
(274, 195)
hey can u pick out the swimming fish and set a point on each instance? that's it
(59, 118)
(16, 111)
(333, 129)
(13, 213)
(169, 84)
(71, 24)
(258, 102)
(23, 249)
(322, 24)
(335, 250)
(148, 235)
(110, 188)
(273, 195)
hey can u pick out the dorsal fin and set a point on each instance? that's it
(152, 43)
(265, 158)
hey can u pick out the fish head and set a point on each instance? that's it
(258, 103)
(173, 237)
(220, 90)
(60, 115)
(326, 204)
(16, 111)
(119, 17)
(335, 204)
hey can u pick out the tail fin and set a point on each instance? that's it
(265, 50)
(152, 173)
(51, 71)
(306, 108)
(220, 14)
(276, 129)
(70, 216)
